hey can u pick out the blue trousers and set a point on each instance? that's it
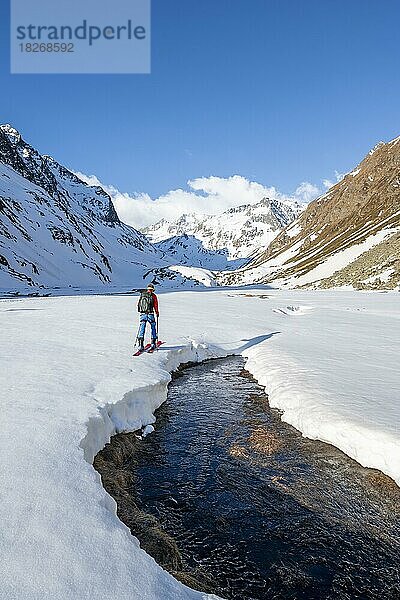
(144, 318)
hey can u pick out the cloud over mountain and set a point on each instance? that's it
(205, 195)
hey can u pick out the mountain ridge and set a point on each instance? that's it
(241, 229)
(58, 232)
(356, 222)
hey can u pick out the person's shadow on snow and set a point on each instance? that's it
(248, 343)
(256, 340)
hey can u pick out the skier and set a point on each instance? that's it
(147, 306)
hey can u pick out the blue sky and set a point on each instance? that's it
(278, 91)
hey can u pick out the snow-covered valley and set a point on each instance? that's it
(58, 233)
(328, 360)
(200, 300)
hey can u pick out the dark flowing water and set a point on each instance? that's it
(257, 511)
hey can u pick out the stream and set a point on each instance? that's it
(233, 501)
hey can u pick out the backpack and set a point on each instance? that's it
(146, 302)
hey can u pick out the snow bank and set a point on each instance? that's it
(336, 376)
(306, 407)
(136, 408)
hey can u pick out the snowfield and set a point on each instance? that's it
(68, 381)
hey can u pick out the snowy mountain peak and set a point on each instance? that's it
(395, 141)
(45, 172)
(240, 230)
(12, 134)
(189, 251)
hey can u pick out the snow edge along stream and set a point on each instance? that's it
(135, 410)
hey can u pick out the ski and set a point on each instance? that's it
(151, 350)
(145, 349)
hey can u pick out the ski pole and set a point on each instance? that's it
(158, 337)
(137, 335)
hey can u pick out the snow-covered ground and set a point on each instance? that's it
(329, 360)
(203, 276)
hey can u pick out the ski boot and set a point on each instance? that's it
(141, 344)
(153, 344)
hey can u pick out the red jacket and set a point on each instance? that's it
(155, 302)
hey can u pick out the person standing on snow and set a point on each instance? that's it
(147, 306)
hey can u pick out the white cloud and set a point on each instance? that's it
(327, 183)
(306, 192)
(207, 195)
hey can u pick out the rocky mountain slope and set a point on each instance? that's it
(58, 232)
(350, 236)
(240, 230)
